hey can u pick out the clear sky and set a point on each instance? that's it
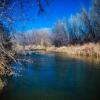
(57, 9)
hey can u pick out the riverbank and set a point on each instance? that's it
(2, 72)
(89, 50)
(51, 77)
(5, 70)
(1, 84)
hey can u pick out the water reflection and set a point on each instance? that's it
(53, 77)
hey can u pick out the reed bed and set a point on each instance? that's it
(89, 49)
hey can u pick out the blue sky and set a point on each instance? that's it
(57, 9)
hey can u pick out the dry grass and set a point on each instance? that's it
(1, 84)
(4, 67)
(89, 49)
(5, 57)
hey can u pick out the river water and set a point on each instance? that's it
(53, 77)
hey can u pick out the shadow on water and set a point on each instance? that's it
(53, 77)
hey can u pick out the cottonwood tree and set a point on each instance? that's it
(34, 37)
(74, 28)
(41, 37)
(87, 31)
(95, 16)
(81, 27)
(60, 35)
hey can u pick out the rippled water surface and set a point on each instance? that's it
(53, 77)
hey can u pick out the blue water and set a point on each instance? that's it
(53, 77)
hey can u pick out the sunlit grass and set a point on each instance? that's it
(89, 49)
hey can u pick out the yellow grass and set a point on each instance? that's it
(5, 58)
(90, 49)
(4, 69)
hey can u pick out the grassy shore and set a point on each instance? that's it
(5, 70)
(90, 49)
(2, 72)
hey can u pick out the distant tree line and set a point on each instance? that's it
(35, 37)
(80, 28)
(7, 18)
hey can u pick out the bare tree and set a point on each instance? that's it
(95, 15)
(75, 25)
(34, 37)
(86, 19)
(41, 37)
(60, 35)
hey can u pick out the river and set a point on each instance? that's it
(53, 77)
